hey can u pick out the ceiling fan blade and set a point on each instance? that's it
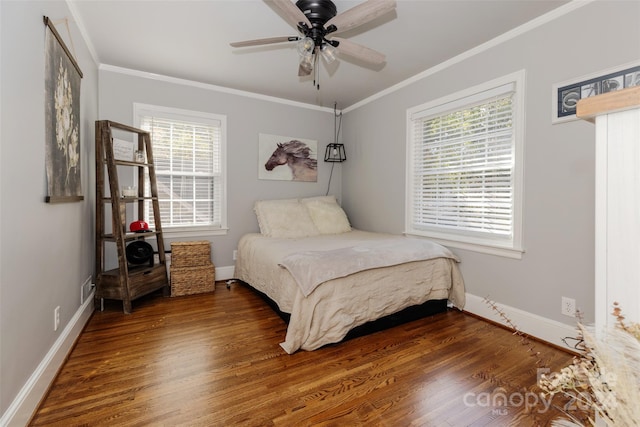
(290, 12)
(268, 40)
(360, 14)
(360, 52)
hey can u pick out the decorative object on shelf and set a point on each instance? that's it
(300, 155)
(129, 191)
(122, 150)
(139, 226)
(139, 252)
(139, 156)
(62, 116)
(565, 95)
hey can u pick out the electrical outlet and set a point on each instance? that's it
(56, 318)
(235, 254)
(568, 307)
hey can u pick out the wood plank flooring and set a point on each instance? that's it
(214, 360)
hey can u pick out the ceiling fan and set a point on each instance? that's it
(318, 22)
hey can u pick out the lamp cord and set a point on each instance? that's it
(336, 130)
(339, 123)
(330, 175)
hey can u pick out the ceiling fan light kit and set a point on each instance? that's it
(318, 21)
(306, 46)
(328, 53)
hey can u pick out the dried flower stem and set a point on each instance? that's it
(524, 338)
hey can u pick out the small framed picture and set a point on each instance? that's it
(123, 150)
(565, 95)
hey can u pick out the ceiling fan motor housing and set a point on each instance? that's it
(318, 12)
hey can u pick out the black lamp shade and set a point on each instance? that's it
(335, 153)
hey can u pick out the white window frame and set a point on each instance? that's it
(140, 110)
(510, 246)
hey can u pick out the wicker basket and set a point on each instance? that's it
(190, 254)
(192, 280)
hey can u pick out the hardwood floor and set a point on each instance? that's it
(214, 360)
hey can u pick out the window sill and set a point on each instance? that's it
(170, 233)
(497, 250)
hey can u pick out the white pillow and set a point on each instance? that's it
(327, 215)
(287, 218)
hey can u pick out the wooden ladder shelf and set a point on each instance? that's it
(127, 281)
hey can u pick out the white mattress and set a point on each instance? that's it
(338, 305)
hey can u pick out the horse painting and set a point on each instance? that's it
(296, 155)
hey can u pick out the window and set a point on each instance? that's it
(464, 174)
(189, 157)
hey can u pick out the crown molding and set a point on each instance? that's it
(509, 35)
(207, 86)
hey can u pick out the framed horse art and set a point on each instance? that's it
(287, 158)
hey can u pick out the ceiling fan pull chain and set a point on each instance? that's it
(316, 72)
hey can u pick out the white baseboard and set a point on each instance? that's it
(26, 402)
(225, 273)
(536, 326)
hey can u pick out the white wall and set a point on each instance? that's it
(247, 117)
(47, 249)
(559, 159)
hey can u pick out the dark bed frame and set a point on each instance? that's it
(409, 314)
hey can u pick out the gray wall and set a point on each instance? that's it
(246, 118)
(47, 249)
(558, 232)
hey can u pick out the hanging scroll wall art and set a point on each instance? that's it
(62, 116)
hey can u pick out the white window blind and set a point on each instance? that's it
(462, 157)
(188, 161)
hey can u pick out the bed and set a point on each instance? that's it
(330, 278)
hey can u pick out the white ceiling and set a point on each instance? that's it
(189, 39)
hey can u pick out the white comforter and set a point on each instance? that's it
(339, 304)
(311, 268)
